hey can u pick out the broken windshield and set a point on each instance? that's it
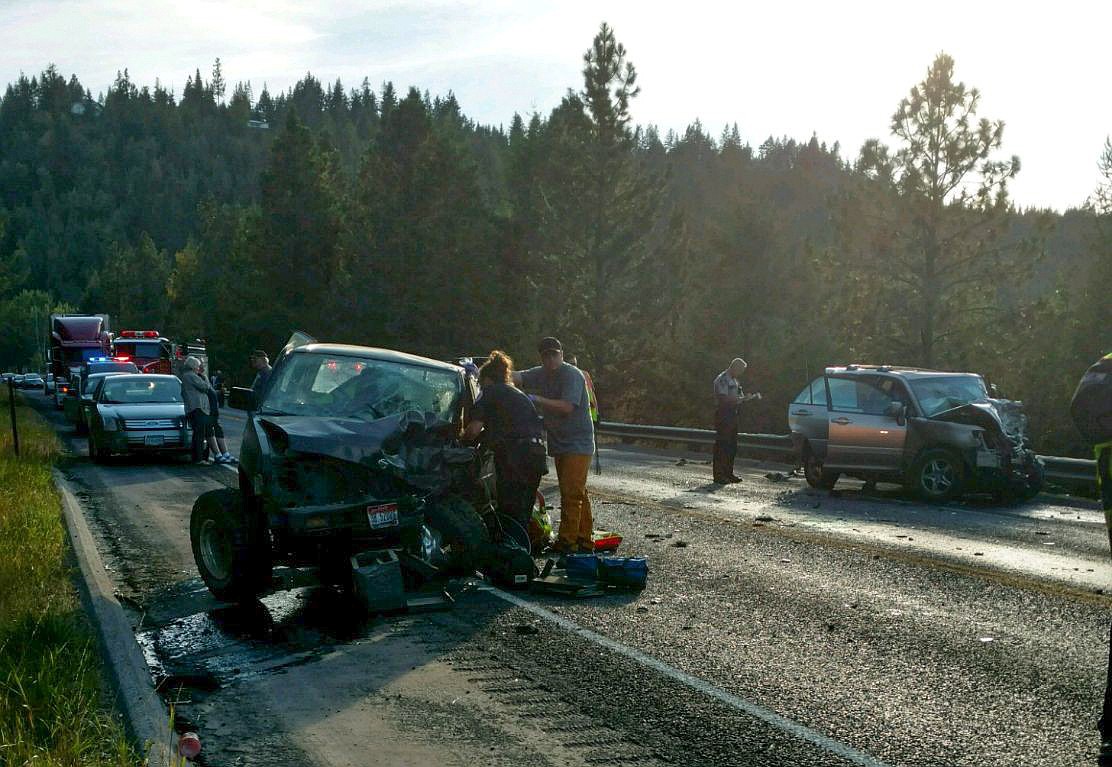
(360, 387)
(937, 395)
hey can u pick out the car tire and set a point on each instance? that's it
(938, 475)
(816, 476)
(232, 555)
(462, 531)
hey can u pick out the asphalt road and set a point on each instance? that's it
(781, 626)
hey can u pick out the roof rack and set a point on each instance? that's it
(855, 366)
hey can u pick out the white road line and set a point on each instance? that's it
(758, 712)
(824, 742)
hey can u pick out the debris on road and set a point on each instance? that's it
(526, 628)
(680, 544)
(588, 575)
(765, 518)
(606, 541)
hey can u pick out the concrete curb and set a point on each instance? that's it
(148, 721)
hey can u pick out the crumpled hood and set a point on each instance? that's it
(351, 439)
(1002, 416)
(409, 446)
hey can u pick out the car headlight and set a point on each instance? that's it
(111, 423)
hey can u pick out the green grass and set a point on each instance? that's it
(54, 710)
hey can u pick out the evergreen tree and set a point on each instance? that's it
(943, 200)
(297, 253)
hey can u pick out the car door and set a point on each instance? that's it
(863, 434)
(89, 399)
(807, 416)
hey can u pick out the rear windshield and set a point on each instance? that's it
(112, 367)
(137, 391)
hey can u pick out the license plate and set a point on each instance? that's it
(153, 440)
(385, 515)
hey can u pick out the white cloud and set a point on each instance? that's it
(836, 69)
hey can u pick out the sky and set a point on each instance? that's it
(833, 69)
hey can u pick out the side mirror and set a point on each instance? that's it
(994, 390)
(897, 410)
(243, 398)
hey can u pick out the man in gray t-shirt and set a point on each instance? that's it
(559, 392)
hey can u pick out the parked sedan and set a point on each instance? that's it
(31, 381)
(138, 413)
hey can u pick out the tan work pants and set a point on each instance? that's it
(576, 523)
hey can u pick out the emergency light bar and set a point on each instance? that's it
(138, 334)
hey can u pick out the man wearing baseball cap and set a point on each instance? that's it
(261, 364)
(559, 391)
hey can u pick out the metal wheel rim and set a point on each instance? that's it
(938, 476)
(216, 549)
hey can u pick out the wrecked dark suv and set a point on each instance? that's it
(348, 449)
(940, 434)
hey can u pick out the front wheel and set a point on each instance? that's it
(938, 476)
(816, 476)
(232, 556)
(464, 538)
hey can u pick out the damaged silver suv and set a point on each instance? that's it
(939, 434)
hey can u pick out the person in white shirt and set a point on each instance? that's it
(728, 395)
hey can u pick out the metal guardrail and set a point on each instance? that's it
(1073, 472)
(766, 443)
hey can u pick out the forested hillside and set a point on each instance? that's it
(389, 218)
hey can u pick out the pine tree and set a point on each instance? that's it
(297, 254)
(942, 200)
(218, 85)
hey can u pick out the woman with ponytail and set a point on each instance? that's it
(511, 427)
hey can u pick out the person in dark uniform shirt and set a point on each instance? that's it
(510, 425)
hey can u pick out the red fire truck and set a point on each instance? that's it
(153, 353)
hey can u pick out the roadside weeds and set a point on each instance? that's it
(54, 709)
